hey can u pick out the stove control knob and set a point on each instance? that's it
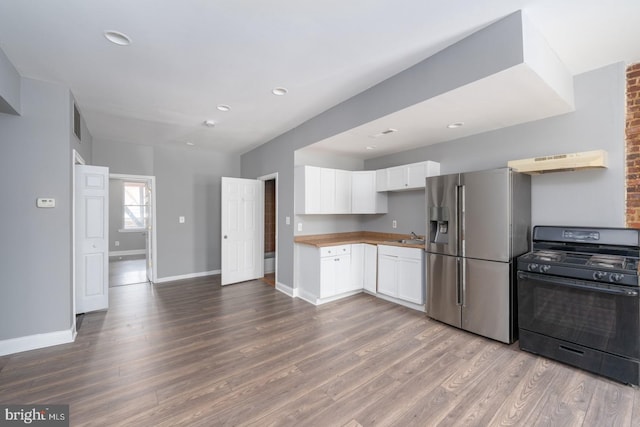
(544, 268)
(616, 277)
(599, 275)
(532, 267)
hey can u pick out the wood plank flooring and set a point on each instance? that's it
(127, 270)
(193, 353)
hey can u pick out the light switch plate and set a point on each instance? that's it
(181, 220)
(46, 202)
(299, 226)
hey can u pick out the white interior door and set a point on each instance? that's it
(92, 237)
(242, 236)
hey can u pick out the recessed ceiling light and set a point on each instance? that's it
(223, 107)
(190, 144)
(209, 123)
(370, 147)
(118, 38)
(455, 125)
(279, 91)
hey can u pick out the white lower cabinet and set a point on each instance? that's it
(400, 273)
(322, 274)
(370, 272)
(331, 272)
(335, 275)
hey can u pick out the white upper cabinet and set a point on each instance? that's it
(308, 190)
(333, 191)
(406, 177)
(322, 190)
(364, 197)
(342, 192)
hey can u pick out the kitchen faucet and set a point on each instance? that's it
(415, 236)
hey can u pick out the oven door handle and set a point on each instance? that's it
(579, 284)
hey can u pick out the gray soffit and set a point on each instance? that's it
(500, 76)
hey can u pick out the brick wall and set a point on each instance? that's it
(632, 132)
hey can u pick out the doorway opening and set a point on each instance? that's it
(131, 230)
(270, 228)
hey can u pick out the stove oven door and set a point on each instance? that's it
(595, 315)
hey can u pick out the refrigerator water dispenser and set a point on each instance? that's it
(439, 225)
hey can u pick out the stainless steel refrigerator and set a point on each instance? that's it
(477, 223)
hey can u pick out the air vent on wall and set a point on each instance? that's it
(76, 122)
(561, 162)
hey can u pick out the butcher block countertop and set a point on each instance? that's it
(371, 237)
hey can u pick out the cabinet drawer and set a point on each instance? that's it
(335, 250)
(399, 251)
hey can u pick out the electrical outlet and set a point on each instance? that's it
(117, 243)
(43, 202)
(394, 224)
(287, 220)
(299, 226)
(181, 220)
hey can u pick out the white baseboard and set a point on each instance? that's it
(32, 342)
(310, 298)
(130, 252)
(402, 302)
(287, 290)
(186, 276)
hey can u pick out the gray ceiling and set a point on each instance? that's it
(189, 56)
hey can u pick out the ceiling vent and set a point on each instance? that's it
(384, 132)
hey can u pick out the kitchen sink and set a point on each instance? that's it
(409, 241)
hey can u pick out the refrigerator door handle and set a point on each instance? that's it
(463, 277)
(460, 196)
(458, 283)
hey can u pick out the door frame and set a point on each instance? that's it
(76, 159)
(269, 177)
(151, 181)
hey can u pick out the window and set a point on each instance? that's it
(135, 206)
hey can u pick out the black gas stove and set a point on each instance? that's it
(621, 268)
(579, 299)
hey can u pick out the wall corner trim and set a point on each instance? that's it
(287, 290)
(33, 342)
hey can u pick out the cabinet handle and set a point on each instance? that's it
(336, 259)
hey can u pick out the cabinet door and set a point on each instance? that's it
(387, 275)
(363, 192)
(415, 175)
(342, 274)
(327, 190)
(307, 190)
(410, 285)
(342, 192)
(328, 276)
(396, 178)
(381, 180)
(370, 271)
(357, 266)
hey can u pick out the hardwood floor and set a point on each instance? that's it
(127, 270)
(194, 353)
